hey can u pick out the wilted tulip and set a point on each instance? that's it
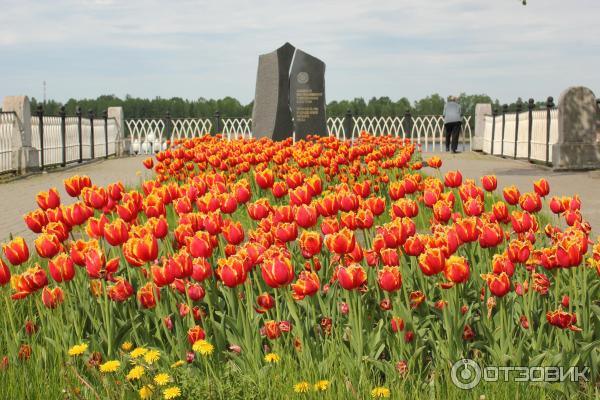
(308, 284)
(272, 329)
(562, 319)
(265, 302)
(310, 243)
(195, 292)
(52, 298)
(148, 295)
(416, 298)
(468, 333)
(194, 334)
(121, 290)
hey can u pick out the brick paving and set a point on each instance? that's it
(18, 196)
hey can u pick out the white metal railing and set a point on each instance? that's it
(9, 126)
(146, 135)
(427, 130)
(191, 127)
(149, 134)
(237, 128)
(53, 144)
(499, 136)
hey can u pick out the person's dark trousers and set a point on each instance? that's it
(452, 132)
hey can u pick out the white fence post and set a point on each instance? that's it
(481, 111)
(117, 114)
(577, 146)
(25, 157)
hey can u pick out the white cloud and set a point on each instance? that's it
(388, 47)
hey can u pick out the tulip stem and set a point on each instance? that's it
(9, 309)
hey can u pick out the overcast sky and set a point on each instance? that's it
(210, 49)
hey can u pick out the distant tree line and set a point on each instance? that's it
(134, 107)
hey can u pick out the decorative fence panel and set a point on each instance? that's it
(53, 142)
(150, 134)
(190, 127)
(500, 132)
(72, 137)
(9, 125)
(86, 141)
(237, 128)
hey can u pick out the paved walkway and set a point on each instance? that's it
(18, 197)
(522, 174)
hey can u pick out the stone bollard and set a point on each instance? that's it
(481, 110)
(577, 147)
(121, 142)
(25, 158)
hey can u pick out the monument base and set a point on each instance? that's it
(26, 159)
(575, 156)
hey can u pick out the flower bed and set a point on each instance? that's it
(316, 268)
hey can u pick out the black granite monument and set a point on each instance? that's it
(286, 102)
(307, 95)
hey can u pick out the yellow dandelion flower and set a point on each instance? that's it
(272, 358)
(380, 392)
(78, 349)
(171, 393)
(321, 386)
(126, 346)
(135, 373)
(110, 366)
(152, 356)
(203, 347)
(177, 364)
(162, 379)
(138, 352)
(301, 387)
(146, 392)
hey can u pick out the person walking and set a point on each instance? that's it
(452, 123)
